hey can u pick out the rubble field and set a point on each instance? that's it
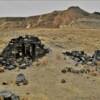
(65, 64)
(84, 63)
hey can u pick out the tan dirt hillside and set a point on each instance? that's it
(73, 16)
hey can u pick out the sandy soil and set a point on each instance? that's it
(45, 74)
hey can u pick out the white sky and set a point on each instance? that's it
(36, 7)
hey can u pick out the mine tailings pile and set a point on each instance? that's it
(22, 51)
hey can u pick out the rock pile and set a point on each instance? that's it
(80, 57)
(84, 63)
(21, 52)
(7, 95)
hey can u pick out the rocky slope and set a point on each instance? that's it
(73, 16)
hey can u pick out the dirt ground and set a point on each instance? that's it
(45, 75)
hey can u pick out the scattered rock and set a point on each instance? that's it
(22, 51)
(63, 81)
(69, 69)
(7, 95)
(63, 71)
(96, 55)
(10, 67)
(77, 70)
(20, 79)
(5, 83)
(28, 93)
(82, 59)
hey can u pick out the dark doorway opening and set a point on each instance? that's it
(33, 51)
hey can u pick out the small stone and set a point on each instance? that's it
(1, 69)
(20, 79)
(69, 69)
(63, 81)
(87, 77)
(64, 71)
(5, 83)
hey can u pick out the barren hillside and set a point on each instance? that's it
(54, 19)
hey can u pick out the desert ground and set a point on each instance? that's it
(45, 75)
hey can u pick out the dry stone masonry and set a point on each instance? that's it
(22, 51)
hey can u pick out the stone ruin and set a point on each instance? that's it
(83, 63)
(80, 57)
(22, 51)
